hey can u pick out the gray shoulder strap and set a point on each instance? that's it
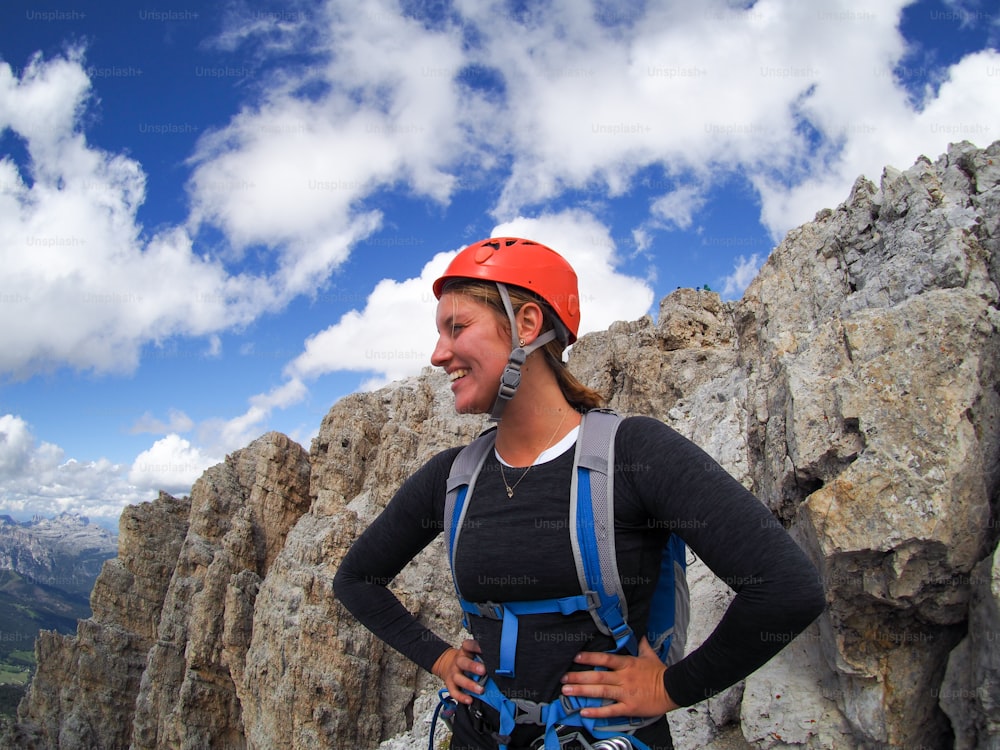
(464, 470)
(595, 451)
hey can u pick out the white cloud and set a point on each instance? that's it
(392, 336)
(679, 206)
(226, 435)
(87, 291)
(17, 447)
(736, 283)
(800, 99)
(177, 421)
(172, 464)
(292, 169)
(36, 478)
(877, 127)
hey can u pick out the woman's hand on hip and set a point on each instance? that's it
(452, 667)
(632, 684)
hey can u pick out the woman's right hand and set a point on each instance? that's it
(452, 666)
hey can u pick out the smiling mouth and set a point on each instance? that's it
(453, 376)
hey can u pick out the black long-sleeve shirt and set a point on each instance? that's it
(518, 548)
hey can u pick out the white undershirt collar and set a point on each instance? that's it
(549, 453)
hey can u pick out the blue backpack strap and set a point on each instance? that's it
(592, 525)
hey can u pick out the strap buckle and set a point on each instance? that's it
(511, 377)
(490, 610)
(529, 712)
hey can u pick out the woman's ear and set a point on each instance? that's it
(529, 322)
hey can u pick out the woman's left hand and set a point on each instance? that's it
(634, 684)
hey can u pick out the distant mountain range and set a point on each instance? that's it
(65, 552)
(47, 570)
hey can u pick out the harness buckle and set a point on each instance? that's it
(529, 712)
(490, 610)
(569, 705)
(622, 632)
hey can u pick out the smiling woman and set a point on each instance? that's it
(582, 669)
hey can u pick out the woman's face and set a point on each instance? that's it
(473, 348)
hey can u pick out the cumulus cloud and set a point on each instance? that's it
(225, 435)
(171, 464)
(292, 169)
(736, 283)
(679, 207)
(391, 337)
(86, 290)
(796, 99)
(875, 125)
(36, 477)
(177, 421)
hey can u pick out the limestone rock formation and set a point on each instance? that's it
(854, 389)
(85, 687)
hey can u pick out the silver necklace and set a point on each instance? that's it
(511, 487)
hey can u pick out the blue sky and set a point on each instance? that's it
(217, 219)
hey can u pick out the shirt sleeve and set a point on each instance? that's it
(778, 589)
(411, 520)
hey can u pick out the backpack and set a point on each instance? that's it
(591, 525)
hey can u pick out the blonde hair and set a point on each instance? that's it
(579, 396)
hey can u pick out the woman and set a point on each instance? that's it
(507, 309)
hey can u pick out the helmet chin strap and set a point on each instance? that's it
(511, 378)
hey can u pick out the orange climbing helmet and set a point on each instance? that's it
(523, 263)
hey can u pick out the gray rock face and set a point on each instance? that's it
(854, 389)
(85, 687)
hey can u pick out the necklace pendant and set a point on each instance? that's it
(510, 492)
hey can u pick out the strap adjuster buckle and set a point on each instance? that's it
(490, 610)
(622, 633)
(511, 377)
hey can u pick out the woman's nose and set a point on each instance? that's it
(441, 353)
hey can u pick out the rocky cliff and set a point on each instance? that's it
(854, 389)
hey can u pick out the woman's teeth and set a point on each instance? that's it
(458, 374)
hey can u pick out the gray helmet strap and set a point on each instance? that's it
(511, 377)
